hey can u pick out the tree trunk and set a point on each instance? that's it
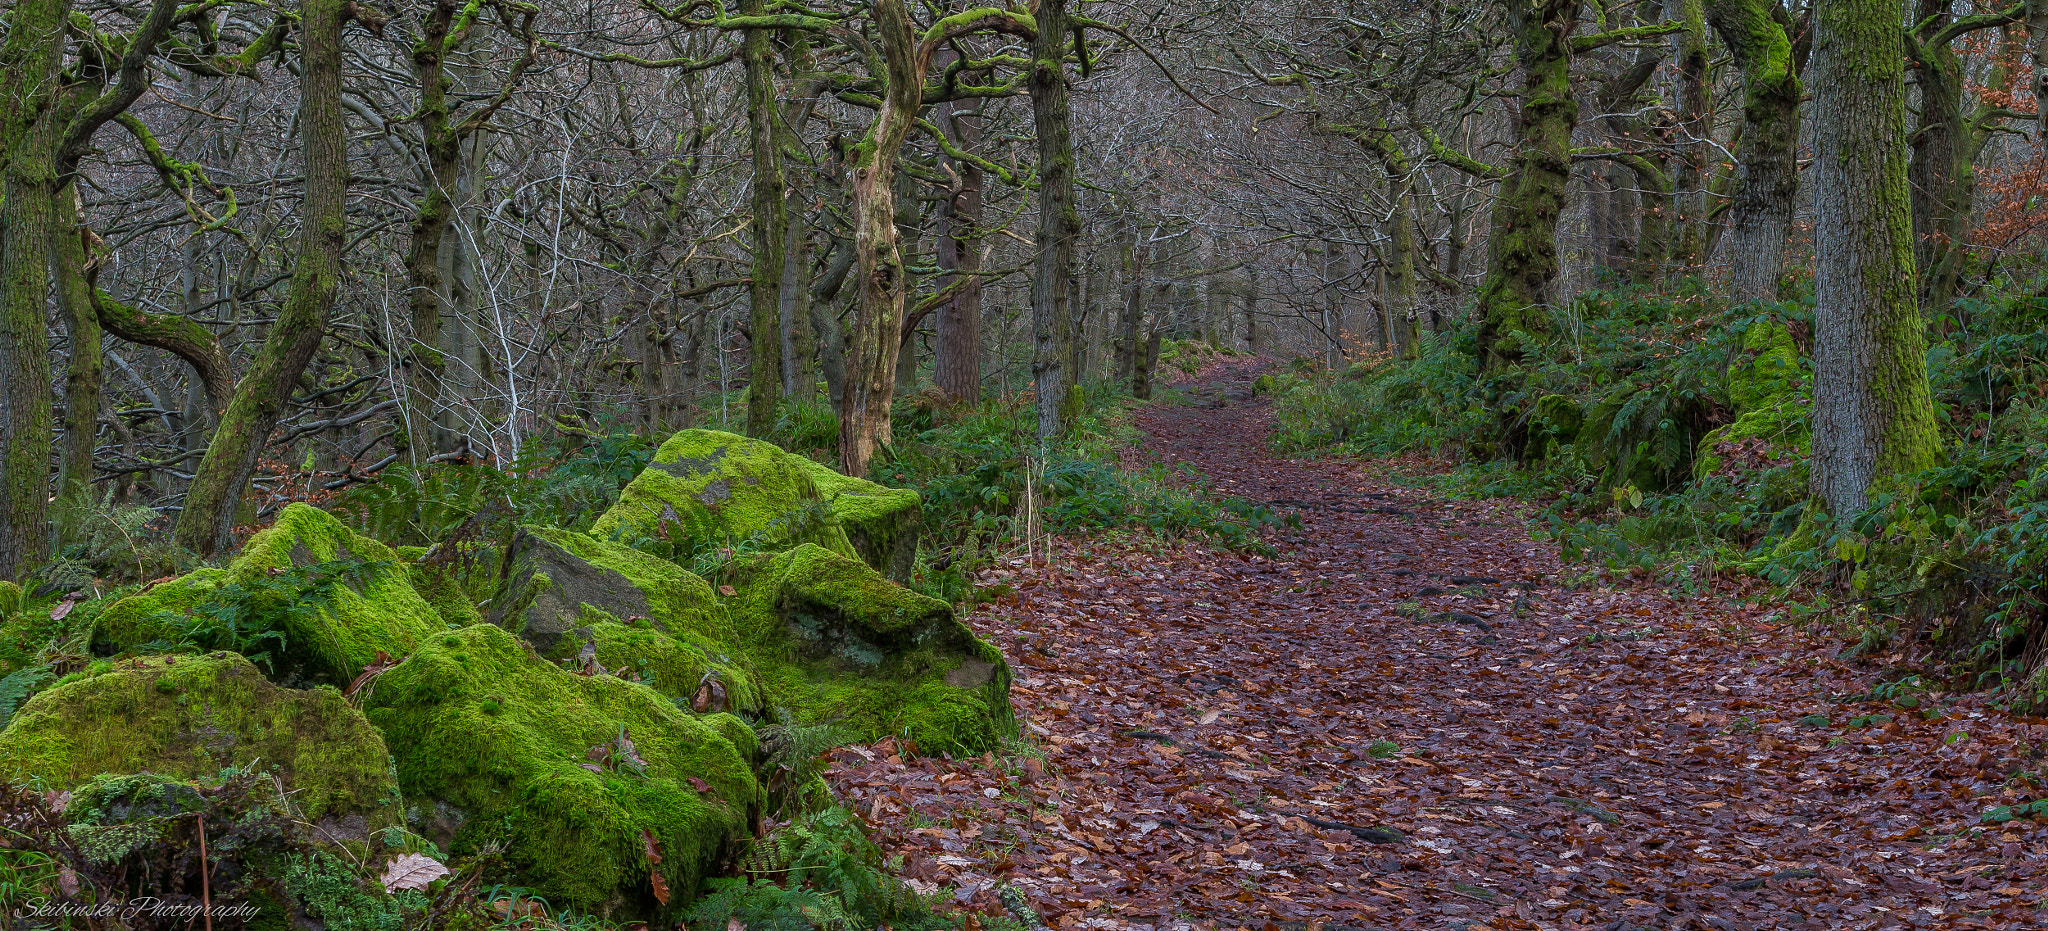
(877, 334)
(206, 525)
(1521, 267)
(825, 322)
(427, 289)
(1766, 158)
(1252, 343)
(800, 340)
(770, 226)
(1873, 418)
(1695, 128)
(82, 375)
(2037, 27)
(1403, 327)
(957, 367)
(1059, 225)
(1131, 318)
(30, 131)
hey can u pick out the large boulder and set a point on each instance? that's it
(336, 597)
(580, 599)
(834, 640)
(706, 489)
(572, 774)
(883, 523)
(551, 576)
(191, 716)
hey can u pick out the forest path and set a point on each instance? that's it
(1228, 738)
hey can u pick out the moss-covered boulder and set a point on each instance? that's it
(834, 640)
(1767, 384)
(551, 577)
(679, 666)
(337, 597)
(191, 716)
(440, 581)
(707, 488)
(882, 523)
(152, 615)
(571, 773)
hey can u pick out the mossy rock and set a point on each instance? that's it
(1772, 398)
(140, 618)
(675, 666)
(1262, 384)
(882, 523)
(506, 741)
(552, 575)
(191, 716)
(10, 600)
(377, 611)
(832, 639)
(705, 486)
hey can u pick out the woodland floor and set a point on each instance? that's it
(1592, 755)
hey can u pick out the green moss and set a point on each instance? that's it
(518, 775)
(834, 640)
(191, 716)
(1767, 383)
(704, 485)
(882, 523)
(672, 665)
(443, 592)
(374, 610)
(137, 619)
(552, 575)
(10, 600)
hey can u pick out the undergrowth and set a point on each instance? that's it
(1663, 433)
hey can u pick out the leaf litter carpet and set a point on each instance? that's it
(1412, 719)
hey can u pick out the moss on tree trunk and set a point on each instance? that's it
(1522, 262)
(1873, 418)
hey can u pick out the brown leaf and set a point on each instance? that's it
(660, 886)
(700, 785)
(727, 590)
(411, 871)
(61, 609)
(650, 847)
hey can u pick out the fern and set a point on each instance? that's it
(250, 616)
(795, 757)
(17, 687)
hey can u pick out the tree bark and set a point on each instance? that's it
(957, 366)
(1766, 169)
(1059, 225)
(82, 377)
(1522, 264)
(2037, 27)
(31, 126)
(1873, 418)
(770, 227)
(877, 334)
(1403, 326)
(206, 525)
(1695, 128)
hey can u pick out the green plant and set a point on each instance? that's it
(825, 873)
(17, 687)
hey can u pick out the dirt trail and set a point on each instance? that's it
(1406, 720)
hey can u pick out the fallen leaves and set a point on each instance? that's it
(1227, 737)
(411, 871)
